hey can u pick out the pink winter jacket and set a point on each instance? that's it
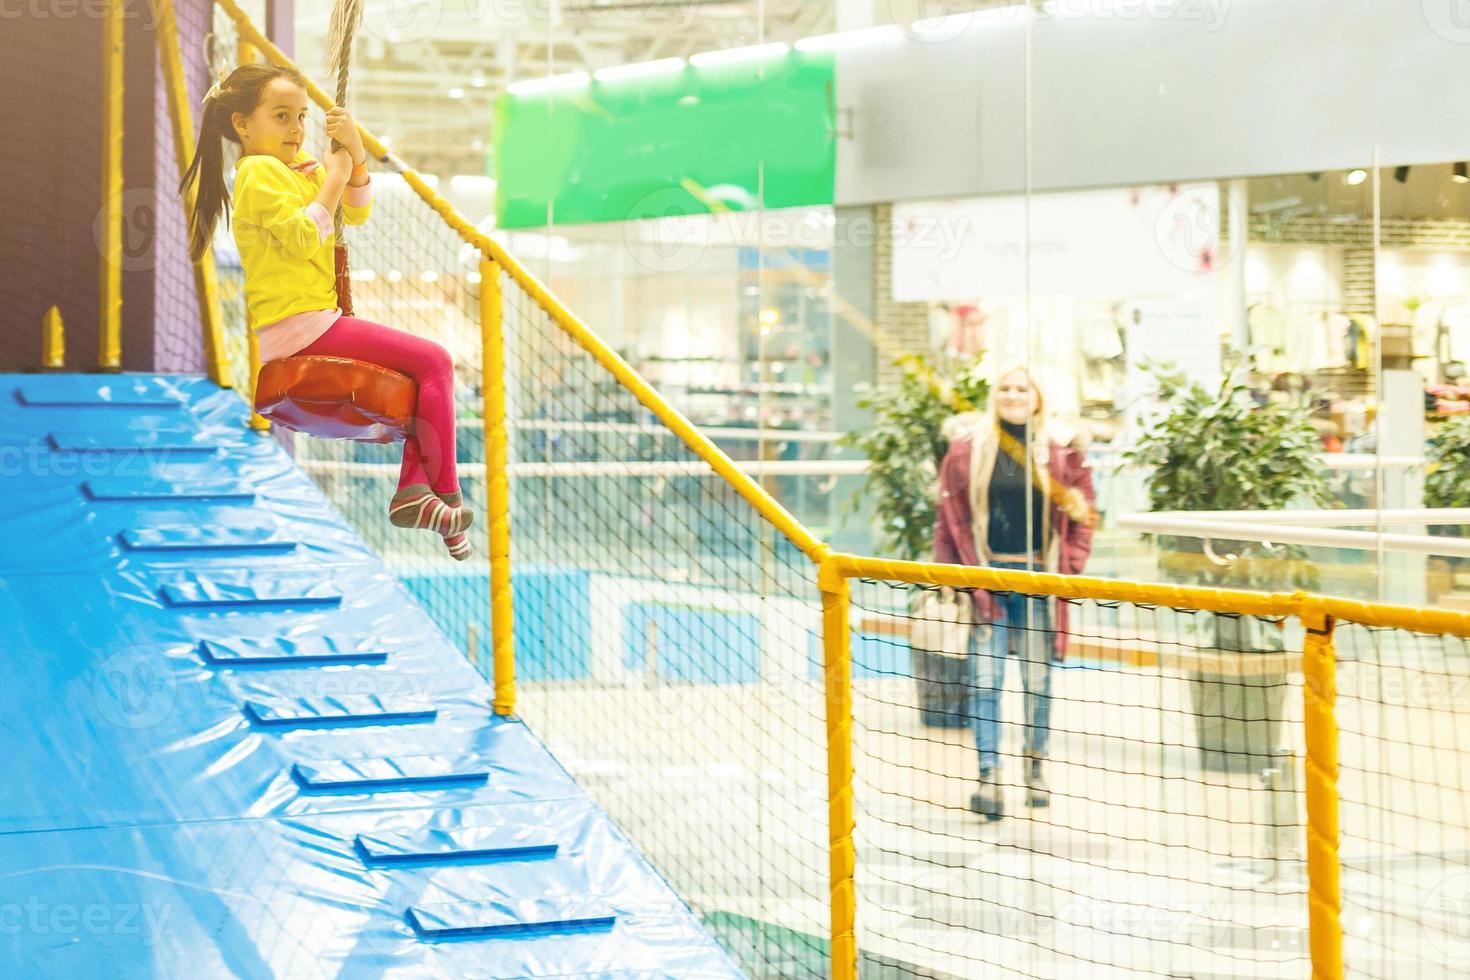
(957, 529)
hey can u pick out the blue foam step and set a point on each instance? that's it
(157, 438)
(257, 592)
(460, 845)
(124, 393)
(313, 651)
(388, 774)
(127, 488)
(488, 920)
(186, 537)
(339, 711)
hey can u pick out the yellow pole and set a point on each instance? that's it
(206, 284)
(53, 341)
(1324, 867)
(837, 668)
(109, 342)
(497, 485)
(244, 52)
(257, 422)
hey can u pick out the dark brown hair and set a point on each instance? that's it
(241, 93)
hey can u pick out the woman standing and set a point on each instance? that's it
(996, 510)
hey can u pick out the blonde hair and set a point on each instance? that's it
(1015, 366)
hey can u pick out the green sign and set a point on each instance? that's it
(736, 136)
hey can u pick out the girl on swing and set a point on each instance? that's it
(283, 205)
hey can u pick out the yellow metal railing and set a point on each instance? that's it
(835, 573)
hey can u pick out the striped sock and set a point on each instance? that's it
(458, 544)
(417, 506)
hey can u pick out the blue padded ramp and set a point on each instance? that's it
(459, 845)
(310, 651)
(78, 391)
(234, 759)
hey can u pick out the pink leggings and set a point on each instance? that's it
(428, 454)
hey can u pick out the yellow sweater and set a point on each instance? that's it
(285, 241)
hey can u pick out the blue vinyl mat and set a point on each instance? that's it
(236, 746)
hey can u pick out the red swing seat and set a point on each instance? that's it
(337, 398)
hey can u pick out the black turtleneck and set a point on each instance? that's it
(1007, 533)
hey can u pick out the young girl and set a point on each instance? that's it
(284, 200)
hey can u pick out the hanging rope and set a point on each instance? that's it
(346, 16)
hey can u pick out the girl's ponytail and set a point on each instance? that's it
(208, 169)
(241, 93)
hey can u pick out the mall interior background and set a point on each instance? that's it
(1220, 187)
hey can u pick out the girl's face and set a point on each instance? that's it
(277, 125)
(1015, 399)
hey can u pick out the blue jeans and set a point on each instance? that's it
(1027, 631)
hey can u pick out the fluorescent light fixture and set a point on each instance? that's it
(362, 275)
(429, 275)
(394, 275)
(551, 83)
(640, 69)
(1356, 177)
(728, 56)
(478, 79)
(456, 93)
(848, 39)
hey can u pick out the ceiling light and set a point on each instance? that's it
(847, 39)
(478, 79)
(550, 83)
(1401, 174)
(1461, 176)
(456, 93)
(729, 56)
(1356, 177)
(639, 69)
(394, 275)
(429, 275)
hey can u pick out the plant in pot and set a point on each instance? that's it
(1221, 449)
(905, 445)
(1447, 484)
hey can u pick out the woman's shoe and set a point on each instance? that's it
(988, 802)
(1037, 793)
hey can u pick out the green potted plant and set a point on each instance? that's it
(905, 445)
(1447, 484)
(1222, 450)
